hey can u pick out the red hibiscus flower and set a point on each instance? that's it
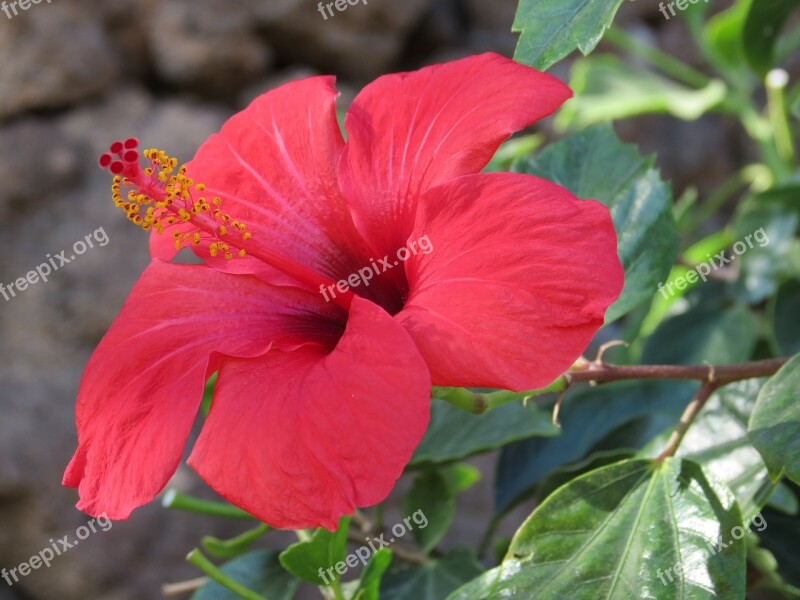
(491, 280)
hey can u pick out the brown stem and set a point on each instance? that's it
(407, 555)
(713, 377)
(599, 372)
(687, 418)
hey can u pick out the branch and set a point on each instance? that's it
(370, 530)
(713, 378)
(687, 418)
(599, 372)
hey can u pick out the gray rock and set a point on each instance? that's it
(205, 44)
(361, 42)
(48, 333)
(53, 55)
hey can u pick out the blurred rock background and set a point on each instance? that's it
(77, 74)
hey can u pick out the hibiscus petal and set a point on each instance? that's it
(300, 438)
(517, 283)
(274, 167)
(142, 387)
(410, 131)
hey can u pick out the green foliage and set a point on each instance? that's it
(432, 494)
(324, 549)
(258, 571)
(785, 324)
(708, 328)
(431, 581)
(641, 410)
(761, 30)
(621, 529)
(780, 539)
(775, 422)
(551, 29)
(370, 582)
(718, 441)
(454, 434)
(608, 89)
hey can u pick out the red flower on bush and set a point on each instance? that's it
(323, 391)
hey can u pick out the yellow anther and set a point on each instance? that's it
(159, 197)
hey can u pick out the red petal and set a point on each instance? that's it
(274, 167)
(300, 438)
(410, 131)
(517, 283)
(142, 387)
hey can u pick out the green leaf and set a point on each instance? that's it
(588, 416)
(785, 324)
(432, 581)
(431, 494)
(594, 164)
(718, 441)
(708, 328)
(370, 582)
(454, 434)
(324, 550)
(594, 461)
(763, 25)
(259, 571)
(723, 36)
(775, 423)
(630, 528)
(771, 220)
(784, 500)
(607, 88)
(551, 29)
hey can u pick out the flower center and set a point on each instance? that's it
(157, 197)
